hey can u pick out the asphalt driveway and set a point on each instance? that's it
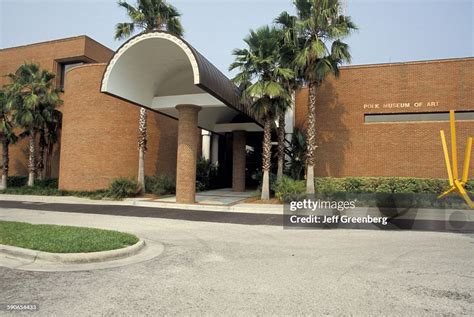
(231, 269)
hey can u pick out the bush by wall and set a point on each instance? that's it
(46, 187)
(470, 185)
(390, 192)
(288, 189)
(160, 185)
(20, 181)
(122, 188)
(47, 183)
(381, 185)
(206, 174)
(17, 181)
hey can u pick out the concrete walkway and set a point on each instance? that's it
(146, 202)
(222, 197)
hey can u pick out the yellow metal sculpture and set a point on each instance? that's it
(457, 185)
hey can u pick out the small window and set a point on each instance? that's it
(414, 117)
(64, 68)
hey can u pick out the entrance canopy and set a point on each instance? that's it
(158, 71)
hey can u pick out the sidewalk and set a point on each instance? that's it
(146, 202)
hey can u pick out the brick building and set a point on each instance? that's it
(384, 120)
(374, 120)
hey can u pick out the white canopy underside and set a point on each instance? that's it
(159, 71)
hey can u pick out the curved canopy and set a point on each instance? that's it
(158, 71)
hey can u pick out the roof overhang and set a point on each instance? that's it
(158, 71)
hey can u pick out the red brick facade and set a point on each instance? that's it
(99, 136)
(49, 55)
(99, 140)
(350, 147)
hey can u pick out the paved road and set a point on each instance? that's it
(247, 218)
(219, 268)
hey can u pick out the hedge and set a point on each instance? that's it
(160, 185)
(122, 188)
(383, 185)
(118, 189)
(375, 191)
(288, 189)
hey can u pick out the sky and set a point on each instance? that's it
(389, 30)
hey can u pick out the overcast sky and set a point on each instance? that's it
(389, 31)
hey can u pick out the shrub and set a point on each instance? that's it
(149, 183)
(122, 188)
(95, 195)
(353, 184)
(206, 174)
(470, 185)
(17, 181)
(383, 185)
(162, 185)
(47, 183)
(288, 189)
(41, 191)
(21, 181)
(329, 185)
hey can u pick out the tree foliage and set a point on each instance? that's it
(149, 15)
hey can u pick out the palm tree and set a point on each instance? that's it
(7, 136)
(317, 29)
(48, 137)
(260, 77)
(281, 130)
(33, 98)
(147, 15)
(296, 150)
(288, 50)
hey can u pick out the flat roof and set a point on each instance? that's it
(428, 61)
(66, 39)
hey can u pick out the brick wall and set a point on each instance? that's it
(47, 55)
(99, 140)
(350, 147)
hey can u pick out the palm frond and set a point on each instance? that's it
(149, 15)
(340, 51)
(174, 27)
(124, 30)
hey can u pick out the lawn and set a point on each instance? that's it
(62, 239)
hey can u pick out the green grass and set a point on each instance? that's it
(62, 239)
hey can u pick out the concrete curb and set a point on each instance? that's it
(73, 258)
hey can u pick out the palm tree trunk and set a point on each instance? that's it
(40, 165)
(281, 145)
(266, 156)
(31, 161)
(5, 162)
(311, 140)
(48, 158)
(142, 142)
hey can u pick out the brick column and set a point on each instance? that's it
(238, 161)
(187, 152)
